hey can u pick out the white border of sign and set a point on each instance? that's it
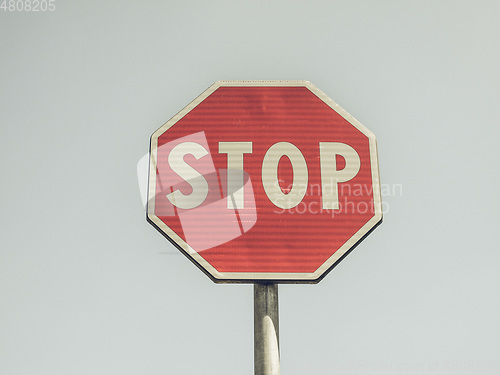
(250, 277)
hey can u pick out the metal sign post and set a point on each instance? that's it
(266, 329)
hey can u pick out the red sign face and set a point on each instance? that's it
(264, 181)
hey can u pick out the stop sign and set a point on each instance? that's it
(264, 181)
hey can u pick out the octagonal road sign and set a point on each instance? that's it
(264, 181)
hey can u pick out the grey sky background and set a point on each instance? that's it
(88, 287)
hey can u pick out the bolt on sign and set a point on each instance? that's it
(260, 181)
